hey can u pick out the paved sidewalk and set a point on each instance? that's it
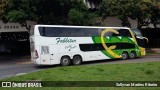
(14, 59)
(153, 50)
(26, 59)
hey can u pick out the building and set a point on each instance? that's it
(13, 37)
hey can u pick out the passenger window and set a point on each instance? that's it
(49, 32)
(125, 32)
(91, 32)
(54, 32)
(77, 32)
(122, 32)
(62, 32)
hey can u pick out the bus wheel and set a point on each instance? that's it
(65, 61)
(125, 55)
(77, 60)
(133, 55)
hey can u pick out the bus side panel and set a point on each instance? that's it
(90, 55)
(102, 56)
(69, 50)
(54, 56)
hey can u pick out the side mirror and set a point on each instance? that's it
(146, 39)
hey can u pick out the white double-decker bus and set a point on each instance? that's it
(65, 45)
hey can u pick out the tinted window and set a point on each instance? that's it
(46, 31)
(68, 32)
(62, 32)
(77, 32)
(98, 47)
(140, 42)
(122, 32)
(91, 32)
(54, 32)
(137, 32)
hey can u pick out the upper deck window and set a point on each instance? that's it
(68, 32)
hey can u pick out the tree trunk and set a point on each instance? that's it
(28, 27)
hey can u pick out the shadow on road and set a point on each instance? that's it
(46, 66)
(86, 63)
(14, 58)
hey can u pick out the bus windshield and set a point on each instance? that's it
(139, 37)
(137, 33)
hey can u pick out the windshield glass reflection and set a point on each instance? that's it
(139, 37)
(137, 33)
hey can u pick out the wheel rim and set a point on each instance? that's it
(77, 61)
(132, 55)
(124, 56)
(65, 61)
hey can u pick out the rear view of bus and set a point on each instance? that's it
(33, 49)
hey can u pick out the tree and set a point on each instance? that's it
(115, 8)
(77, 17)
(154, 12)
(3, 6)
(145, 11)
(79, 14)
(39, 11)
(47, 12)
(20, 11)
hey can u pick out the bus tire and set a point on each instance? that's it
(125, 55)
(77, 60)
(65, 61)
(132, 55)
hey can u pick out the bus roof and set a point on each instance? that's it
(70, 26)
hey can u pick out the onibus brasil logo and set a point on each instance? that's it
(21, 84)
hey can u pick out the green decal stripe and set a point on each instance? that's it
(97, 40)
(114, 39)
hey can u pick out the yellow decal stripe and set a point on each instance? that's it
(105, 46)
(134, 39)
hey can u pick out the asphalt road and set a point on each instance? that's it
(12, 66)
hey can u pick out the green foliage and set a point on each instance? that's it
(3, 5)
(20, 11)
(46, 12)
(134, 9)
(78, 17)
(75, 11)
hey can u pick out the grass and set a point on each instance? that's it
(110, 72)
